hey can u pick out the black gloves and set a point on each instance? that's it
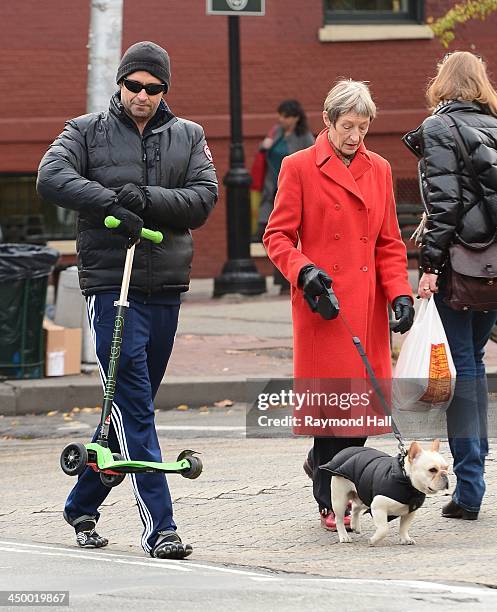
(133, 198)
(404, 313)
(131, 225)
(313, 281)
(316, 285)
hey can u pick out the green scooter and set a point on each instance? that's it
(112, 467)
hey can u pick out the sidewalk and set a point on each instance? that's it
(251, 507)
(220, 343)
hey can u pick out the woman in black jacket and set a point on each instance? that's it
(455, 207)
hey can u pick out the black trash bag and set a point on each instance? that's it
(24, 271)
(21, 261)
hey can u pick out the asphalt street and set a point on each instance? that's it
(116, 581)
(183, 422)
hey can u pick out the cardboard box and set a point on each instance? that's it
(63, 349)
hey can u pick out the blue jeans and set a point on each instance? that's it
(468, 333)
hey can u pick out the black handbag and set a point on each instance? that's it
(472, 275)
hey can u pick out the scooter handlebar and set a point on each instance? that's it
(154, 236)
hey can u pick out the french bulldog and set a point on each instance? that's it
(388, 486)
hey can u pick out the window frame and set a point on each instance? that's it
(52, 229)
(414, 15)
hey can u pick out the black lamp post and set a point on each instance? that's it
(239, 273)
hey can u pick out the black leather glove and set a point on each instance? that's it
(313, 281)
(404, 313)
(318, 293)
(131, 225)
(133, 198)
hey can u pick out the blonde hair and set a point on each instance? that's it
(348, 96)
(462, 76)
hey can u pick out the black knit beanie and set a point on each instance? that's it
(147, 56)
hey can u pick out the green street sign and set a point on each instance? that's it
(236, 7)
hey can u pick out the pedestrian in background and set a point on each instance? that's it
(289, 135)
(462, 92)
(141, 164)
(334, 221)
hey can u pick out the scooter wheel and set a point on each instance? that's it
(195, 468)
(112, 480)
(73, 459)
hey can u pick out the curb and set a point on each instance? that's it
(62, 394)
(19, 397)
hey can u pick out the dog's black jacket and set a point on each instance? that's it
(375, 473)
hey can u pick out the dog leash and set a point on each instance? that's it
(376, 386)
(327, 306)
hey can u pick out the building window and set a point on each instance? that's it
(373, 11)
(25, 218)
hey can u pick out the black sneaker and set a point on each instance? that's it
(170, 546)
(86, 536)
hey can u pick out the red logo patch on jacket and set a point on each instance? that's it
(208, 153)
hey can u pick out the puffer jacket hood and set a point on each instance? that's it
(99, 153)
(450, 195)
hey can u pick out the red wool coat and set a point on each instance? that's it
(343, 220)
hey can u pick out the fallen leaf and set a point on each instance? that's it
(224, 403)
(182, 407)
(76, 409)
(52, 412)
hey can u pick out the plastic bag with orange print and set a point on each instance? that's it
(425, 374)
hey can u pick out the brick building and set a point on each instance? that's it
(296, 50)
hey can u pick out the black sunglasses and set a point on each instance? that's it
(152, 89)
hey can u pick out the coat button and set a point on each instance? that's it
(364, 238)
(364, 268)
(336, 267)
(337, 236)
(338, 206)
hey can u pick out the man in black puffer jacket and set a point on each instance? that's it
(141, 164)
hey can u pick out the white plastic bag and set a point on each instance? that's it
(425, 374)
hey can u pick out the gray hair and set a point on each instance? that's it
(348, 96)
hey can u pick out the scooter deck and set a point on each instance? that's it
(105, 461)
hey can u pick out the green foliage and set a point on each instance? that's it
(444, 26)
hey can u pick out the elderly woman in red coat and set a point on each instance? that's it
(334, 223)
